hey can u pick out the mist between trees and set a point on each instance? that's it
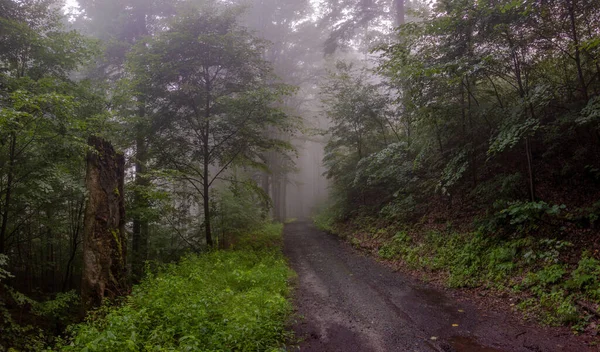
(214, 107)
(231, 114)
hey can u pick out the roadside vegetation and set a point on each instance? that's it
(218, 301)
(545, 279)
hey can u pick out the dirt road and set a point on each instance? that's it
(349, 302)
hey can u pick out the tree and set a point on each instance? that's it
(104, 238)
(211, 98)
(486, 96)
(120, 25)
(360, 126)
(351, 19)
(41, 119)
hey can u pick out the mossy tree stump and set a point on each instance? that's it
(105, 240)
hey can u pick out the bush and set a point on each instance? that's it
(325, 218)
(239, 208)
(222, 300)
(522, 217)
(585, 277)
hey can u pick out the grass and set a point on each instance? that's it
(219, 301)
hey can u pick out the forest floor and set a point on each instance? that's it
(347, 301)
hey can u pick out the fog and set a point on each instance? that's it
(306, 38)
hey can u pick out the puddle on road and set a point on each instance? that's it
(466, 344)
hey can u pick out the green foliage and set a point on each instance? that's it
(265, 237)
(529, 265)
(489, 101)
(326, 217)
(22, 323)
(512, 134)
(212, 97)
(548, 251)
(398, 246)
(61, 309)
(453, 173)
(45, 118)
(585, 277)
(4, 274)
(545, 277)
(240, 208)
(221, 300)
(522, 217)
(553, 308)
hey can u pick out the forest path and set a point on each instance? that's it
(350, 302)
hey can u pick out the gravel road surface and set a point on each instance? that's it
(347, 301)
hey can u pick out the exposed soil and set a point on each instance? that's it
(347, 301)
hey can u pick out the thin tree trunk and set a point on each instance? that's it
(400, 12)
(209, 241)
(206, 141)
(104, 237)
(530, 170)
(572, 9)
(74, 244)
(284, 197)
(140, 234)
(266, 186)
(139, 241)
(472, 151)
(9, 184)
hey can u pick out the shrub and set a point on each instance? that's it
(585, 277)
(326, 217)
(521, 217)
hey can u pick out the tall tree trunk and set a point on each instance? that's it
(140, 234)
(277, 197)
(400, 12)
(530, 170)
(571, 5)
(206, 141)
(104, 237)
(49, 271)
(206, 198)
(9, 185)
(75, 232)
(139, 241)
(284, 197)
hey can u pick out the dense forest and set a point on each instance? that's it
(457, 138)
(469, 151)
(137, 132)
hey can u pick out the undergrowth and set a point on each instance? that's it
(218, 301)
(530, 269)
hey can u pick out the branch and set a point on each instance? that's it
(226, 166)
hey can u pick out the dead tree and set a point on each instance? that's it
(104, 241)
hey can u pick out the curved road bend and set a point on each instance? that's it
(350, 302)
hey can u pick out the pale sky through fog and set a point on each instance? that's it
(70, 4)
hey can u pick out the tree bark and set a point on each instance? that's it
(530, 170)
(277, 197)
(7, 198)
(205, 142)
(284, 197)
(400, 12)
(571, 6)
(139, 241)
(104, 237)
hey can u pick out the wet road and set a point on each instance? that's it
(349, 302)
